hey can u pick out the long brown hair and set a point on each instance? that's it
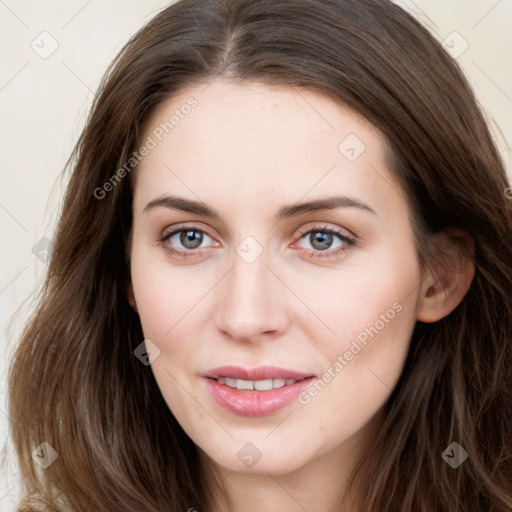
(74, 380)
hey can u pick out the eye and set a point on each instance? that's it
(187, 241)
(323, 240)
(184, 241)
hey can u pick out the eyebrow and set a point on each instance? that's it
(294, 210)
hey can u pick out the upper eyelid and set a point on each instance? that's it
(340, 231)
(176, 229)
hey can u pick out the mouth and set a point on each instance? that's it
(255, 392)
(258, 385)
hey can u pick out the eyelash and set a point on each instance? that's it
(313, 253)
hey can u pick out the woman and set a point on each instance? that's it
(280, 279)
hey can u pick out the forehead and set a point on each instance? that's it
(255, 142)
(255, 117)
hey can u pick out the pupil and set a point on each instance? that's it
(191, 239)
(324, 239)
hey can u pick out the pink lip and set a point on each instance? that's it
(255, 403)
(260, 373)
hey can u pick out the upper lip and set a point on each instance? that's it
(259, 373)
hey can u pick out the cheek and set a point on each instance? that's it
(360, 373)
(166, 295)
(373, 318)
(364, 300)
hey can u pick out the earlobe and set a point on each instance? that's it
(444, 287)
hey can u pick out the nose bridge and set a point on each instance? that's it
(249, 305)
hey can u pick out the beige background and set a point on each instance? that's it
(44, 102)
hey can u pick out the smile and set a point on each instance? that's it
(258, 385)
(255, 392)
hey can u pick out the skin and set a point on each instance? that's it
(246, 151)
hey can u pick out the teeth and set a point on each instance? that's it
(278, 383)
(244, 384)
(263, 385)
(258, 385)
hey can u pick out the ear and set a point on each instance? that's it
(128, 247)
(131, 297)
(444, 286)
(129, 288)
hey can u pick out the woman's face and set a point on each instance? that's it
(267, 287)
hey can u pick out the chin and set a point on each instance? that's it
(247, 458)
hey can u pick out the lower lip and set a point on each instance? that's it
(255, 403)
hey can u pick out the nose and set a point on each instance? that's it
(253, 301)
